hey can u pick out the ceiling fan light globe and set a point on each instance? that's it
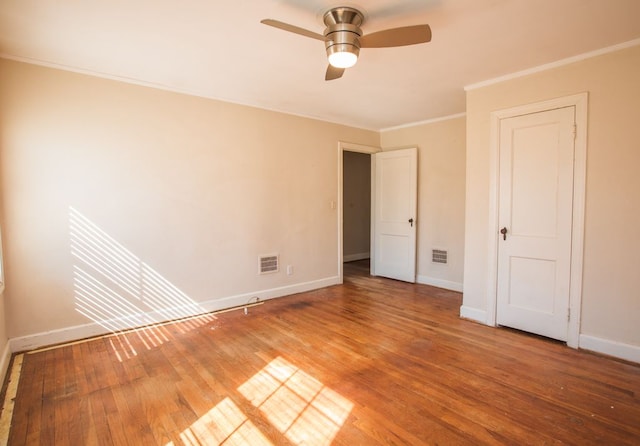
(343, 59)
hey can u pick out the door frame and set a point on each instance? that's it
(360, 148)
(580, 102)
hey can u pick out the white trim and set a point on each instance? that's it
(580, 102)
(577, 230)
(2, 284)
(372, 223)
(357, 256)
(5, 359)
(427, 121)
(473, 314)
(440, 283)
(552, 65)
(158, 86)
(68, 334)
(52, 337)
(344, 146)
(616, 349)
(360, 148)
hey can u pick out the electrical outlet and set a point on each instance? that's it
(289, 270)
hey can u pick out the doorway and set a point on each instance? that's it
(392, 212)
(361, 155)
(535, 273)
(535, 211)
(356, 206)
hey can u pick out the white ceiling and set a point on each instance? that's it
(219, 49)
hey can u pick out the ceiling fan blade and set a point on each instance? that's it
(407, 35)
(333, 73)
(292, 29)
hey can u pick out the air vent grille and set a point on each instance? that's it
(268, 264)
(439, 256)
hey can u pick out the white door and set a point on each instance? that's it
(394, 214)
(535, 218)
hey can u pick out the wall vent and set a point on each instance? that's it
(268, 264)
(439, 256)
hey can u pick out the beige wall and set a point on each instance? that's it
(5, 352)
(356, 191)
(174, 192)
(611, 283)
(441, 195)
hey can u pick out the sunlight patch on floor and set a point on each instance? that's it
(299, 406)
(223, 424)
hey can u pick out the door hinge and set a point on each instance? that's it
(568, 314)
(575, 131)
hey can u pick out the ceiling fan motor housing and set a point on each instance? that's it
(343, 30)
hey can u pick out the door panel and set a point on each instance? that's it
(395, 202)
(534, 185)
(535, 208)
(532, 284)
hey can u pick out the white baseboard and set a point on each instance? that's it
(46, 338)
(607, 347)
(473, 314)
(354, 257)
(446, 284)
(4, 361)
(70, 334)
(611, 348)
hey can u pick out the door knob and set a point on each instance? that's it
(411, 221)
(504, 231)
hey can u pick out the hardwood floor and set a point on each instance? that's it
(373, 361)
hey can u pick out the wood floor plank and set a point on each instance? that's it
(394, 362)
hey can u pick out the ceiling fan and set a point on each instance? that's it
(343, 37)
